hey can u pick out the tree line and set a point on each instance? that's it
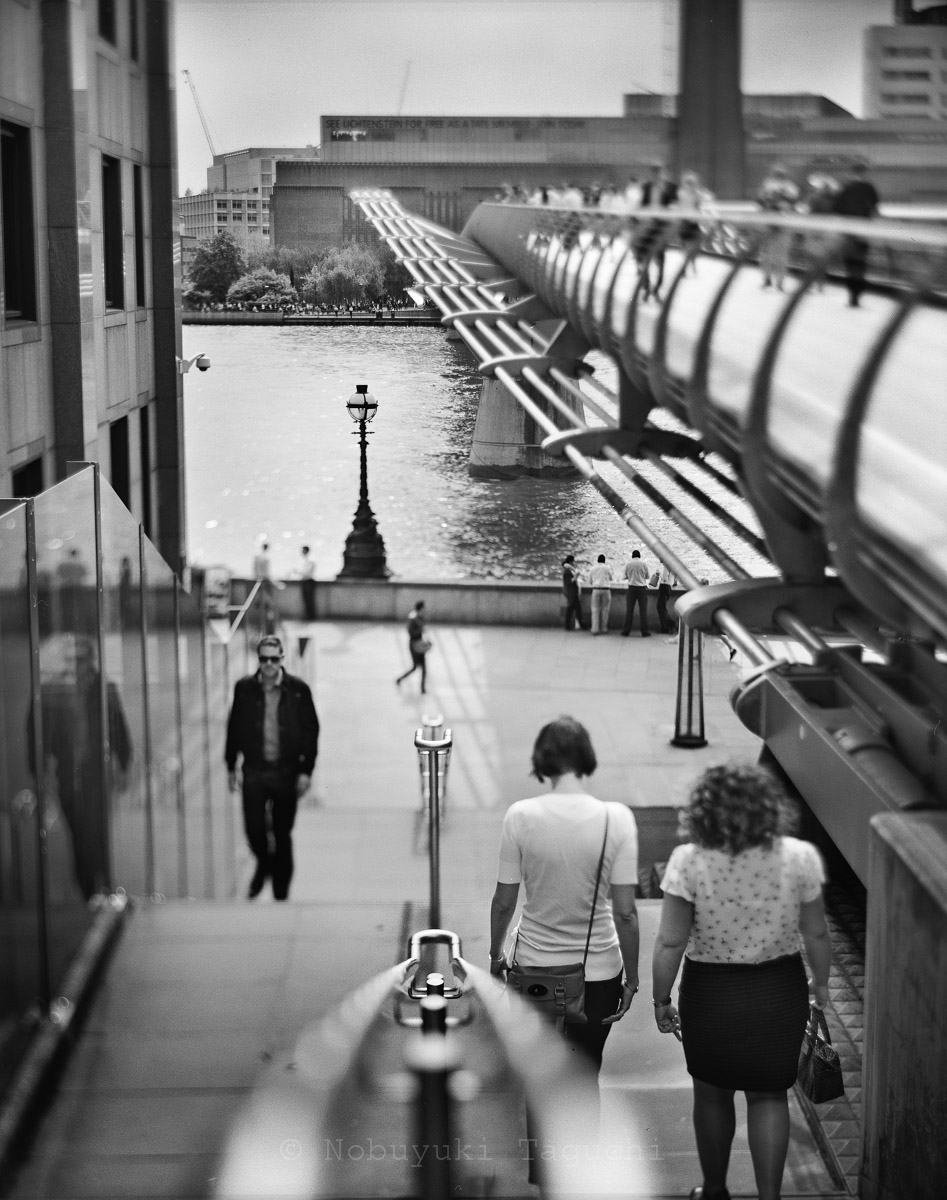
(222, 272)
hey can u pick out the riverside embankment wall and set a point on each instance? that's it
(460, 602)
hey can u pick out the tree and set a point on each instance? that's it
(285, 260)
(262, 286)
(349, 274)
(218, 262)
(396, 276)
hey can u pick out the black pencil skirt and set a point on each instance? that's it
(742, 1023)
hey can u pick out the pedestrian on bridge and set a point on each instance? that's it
(273, 727)
(739, 897)
(858, 198)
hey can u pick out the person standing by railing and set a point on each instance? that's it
(637, 573)
(572, 590)
(858, 198)
(600, 580)
(777, 194)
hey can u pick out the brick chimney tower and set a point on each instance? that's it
(710, 138)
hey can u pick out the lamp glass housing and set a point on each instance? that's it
(362, 405)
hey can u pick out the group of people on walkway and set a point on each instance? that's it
(639, 579)
(742, 897)
(822, 195)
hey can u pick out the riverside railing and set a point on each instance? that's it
(113, 700)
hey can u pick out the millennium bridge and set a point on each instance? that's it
(810, 435)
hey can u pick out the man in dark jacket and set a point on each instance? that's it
(858, 198)
(273, 725)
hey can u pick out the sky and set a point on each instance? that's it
(267, 70)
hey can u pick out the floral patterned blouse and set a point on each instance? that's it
(746, 906)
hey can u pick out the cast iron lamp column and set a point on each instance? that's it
(364, 556)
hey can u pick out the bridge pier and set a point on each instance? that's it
(506, 439)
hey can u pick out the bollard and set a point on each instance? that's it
(689, 718)
(433, 1057)
(435, 984)
(434, 1011)
(433, 755)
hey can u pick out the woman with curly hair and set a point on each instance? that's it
(738, 896)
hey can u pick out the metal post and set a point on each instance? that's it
(689, 718)
(432, 755)
(433, 1058)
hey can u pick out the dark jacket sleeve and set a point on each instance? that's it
(234, 725)
(308, 731)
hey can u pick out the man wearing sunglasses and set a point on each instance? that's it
(274, 727)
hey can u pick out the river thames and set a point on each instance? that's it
(270, 453)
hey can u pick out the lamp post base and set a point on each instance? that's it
(364, 555)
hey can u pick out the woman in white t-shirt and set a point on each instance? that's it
(739, 898)
(551, 844)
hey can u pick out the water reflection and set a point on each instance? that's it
(269, 454)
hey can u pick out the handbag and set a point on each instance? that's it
(820, 1071)
(653, 581)
(421, 645)
(558, 992)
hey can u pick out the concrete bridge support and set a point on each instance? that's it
(506, 439)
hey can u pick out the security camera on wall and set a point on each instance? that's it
(203, 363)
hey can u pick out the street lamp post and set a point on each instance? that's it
(364, 556)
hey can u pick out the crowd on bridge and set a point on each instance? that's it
(819, 194)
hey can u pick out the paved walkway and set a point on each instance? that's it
(201, 998)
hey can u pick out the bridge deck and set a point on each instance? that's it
(200, 999)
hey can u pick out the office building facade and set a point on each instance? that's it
(906, 72)
(90, 327)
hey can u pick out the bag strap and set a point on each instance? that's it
(598, 879)
(818, 1022)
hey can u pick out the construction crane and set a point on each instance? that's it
(404, 86)
(200, 111)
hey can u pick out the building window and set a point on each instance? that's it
(139, 238)
(251, 205)
(28, 479)
(237, 217)
(266, 231)
(133, 43)
(905, 97)
(238, 204)
(221, 228)
(907, 52)
(120, 475)
(912, 75)
(112, 232)
(16, 217)
(107, 20)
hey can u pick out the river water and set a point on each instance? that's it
(270, 453)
